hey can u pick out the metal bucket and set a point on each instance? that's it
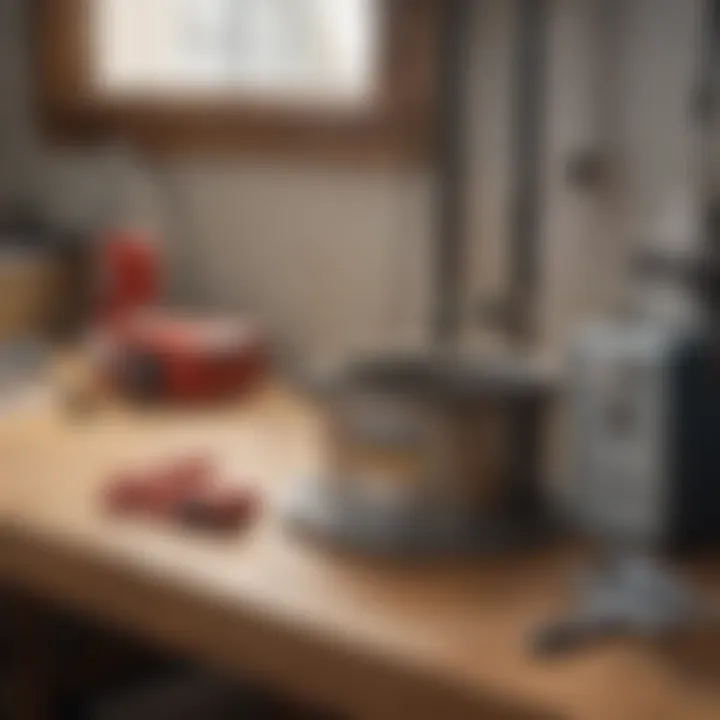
(430, 453)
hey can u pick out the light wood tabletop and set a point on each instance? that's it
(378, 639)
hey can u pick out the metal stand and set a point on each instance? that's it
(330, 507)
(628, 596)
(320, 508)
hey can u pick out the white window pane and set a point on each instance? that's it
(136, 43)
(324, 50)
(351, 32)
(203, 40)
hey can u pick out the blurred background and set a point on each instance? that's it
(278, 237)
(202, 196)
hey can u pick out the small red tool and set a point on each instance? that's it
(188, 490)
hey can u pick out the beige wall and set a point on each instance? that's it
(571, 222)
(337, 260)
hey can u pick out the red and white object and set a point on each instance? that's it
(150, 353)
(155, 355)
(190, 491)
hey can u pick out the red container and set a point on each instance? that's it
(152, 354)
(128, 274)
(158, 356)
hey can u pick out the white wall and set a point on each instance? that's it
(657, 141)
(620, 79)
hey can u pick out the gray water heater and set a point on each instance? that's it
(645, 435)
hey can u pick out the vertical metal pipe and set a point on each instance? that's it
(451, 172)
(528, 141)
(528, 136)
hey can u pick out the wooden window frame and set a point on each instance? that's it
(397, 130)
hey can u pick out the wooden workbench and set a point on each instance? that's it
(439, 640)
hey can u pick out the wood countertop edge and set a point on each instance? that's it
(244, 639)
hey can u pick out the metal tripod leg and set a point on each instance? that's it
(629, 595)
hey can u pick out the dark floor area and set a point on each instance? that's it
(58, 666)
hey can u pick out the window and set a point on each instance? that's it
(304, 51)
(352, 77)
